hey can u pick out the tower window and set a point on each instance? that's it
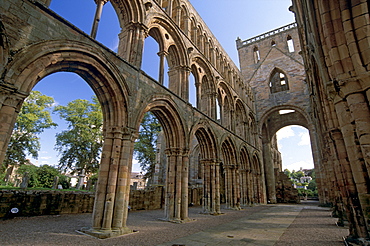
(256, 55)
(278, 81)
(290, 44)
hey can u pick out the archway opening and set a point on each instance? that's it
(108, 29)
(294, 145)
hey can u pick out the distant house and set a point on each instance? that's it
(137, 181)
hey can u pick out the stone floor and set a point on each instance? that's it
(303, 224)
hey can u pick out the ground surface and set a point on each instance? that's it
(304, 224)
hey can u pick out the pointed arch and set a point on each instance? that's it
(278, 81)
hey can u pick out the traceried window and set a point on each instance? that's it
(278, 81)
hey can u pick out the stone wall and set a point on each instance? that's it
(38, 202)
(285, 192)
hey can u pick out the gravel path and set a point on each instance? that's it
(312, 224)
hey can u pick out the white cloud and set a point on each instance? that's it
(305, 138)
(298, 165)
(46, 157)
(285, 132)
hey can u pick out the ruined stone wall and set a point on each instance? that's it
(35, 203)
(335, 36)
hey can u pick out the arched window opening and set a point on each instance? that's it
(151, 59)
(256, 55)
(59, 86)
(193, 90)
(218, 110)
(108, 29)
(278, 81)
(273, 43)
(149, 151)
(290, 44)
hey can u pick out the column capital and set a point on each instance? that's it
(101, 1)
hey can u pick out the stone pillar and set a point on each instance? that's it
(162, 56)
(111, 198)
(211, 187)
(355, 159)
(176, 197)
(184, 186)
(179, 81)
(360, 112)
(98, 12)
(131, 43)
(269, 173)
(8, 116)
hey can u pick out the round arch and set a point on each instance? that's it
(177, 153)
(36, 62)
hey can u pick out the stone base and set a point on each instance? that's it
(177, 221)
(103, 234)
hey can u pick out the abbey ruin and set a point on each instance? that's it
(316, 68)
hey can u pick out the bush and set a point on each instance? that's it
(43, 176)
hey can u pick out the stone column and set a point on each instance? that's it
(111, 198)
(184, 186)
(211, 187)
(355, 158)
(8, 116)
(269, 173)
(176, 203)
(131, 43)
(162, 56)
(98, 12)
(123, 183)
(360, 112)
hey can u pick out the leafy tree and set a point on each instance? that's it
(312, 185)
(287, 173)
(32, 120)
(41, 177)
(297, 175)
(145, 146)
(80, 145)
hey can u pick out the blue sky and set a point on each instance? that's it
(227, 19)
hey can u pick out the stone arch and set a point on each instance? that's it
(174, 50)
(205, 87)
(246, 182)
(257, 177)
(35, 62)
(230, 181)
(278, 81)
(240, 119)
(210, 165)
(177, 153)
(226, 102)
(275, 121)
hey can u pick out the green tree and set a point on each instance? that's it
(287, 173)
(32, 120)
(41, 177)
(145, 146)
(297, 175)
(80, 145)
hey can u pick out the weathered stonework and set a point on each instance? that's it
(232, 158)
(335, 38)
(36, 43)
